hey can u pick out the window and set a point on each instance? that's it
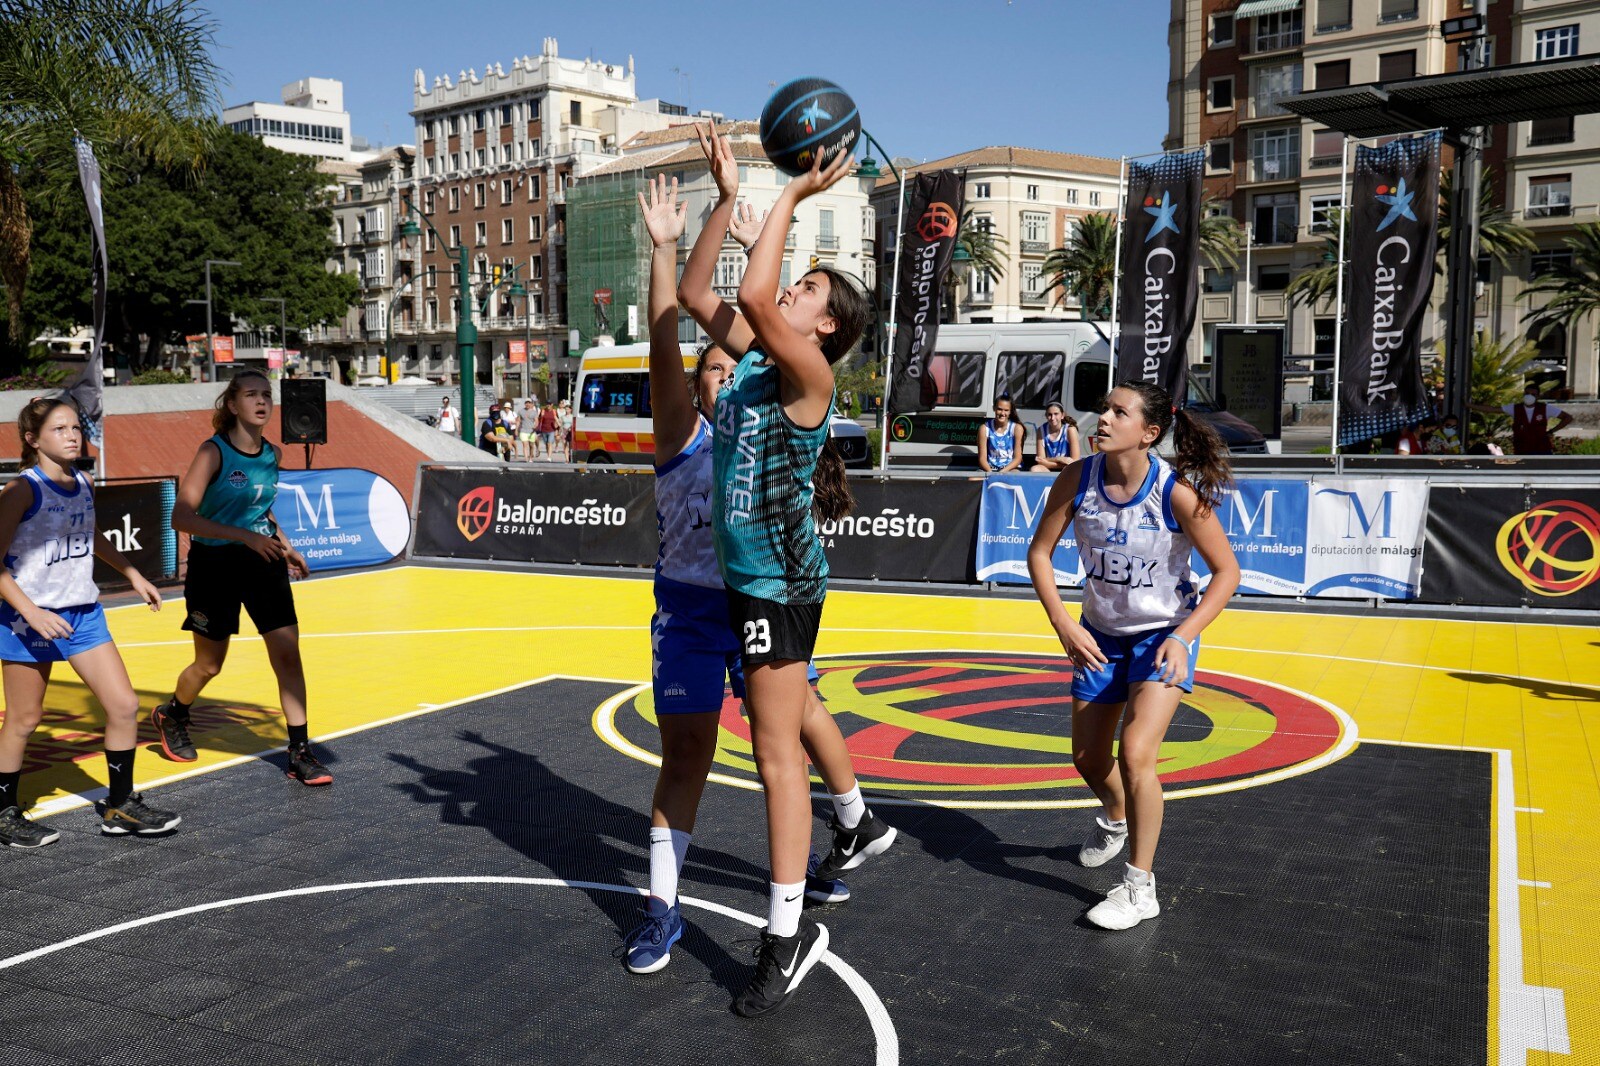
(1033, 192)
(1072, 196)
(1032, 282)
(505, 114)
(730, 270)
(478, 195)
(430, 277)
(1334, 74)
(455, 198)
(1393, 66)
(576, 113)
(1275, 154)
(536, 267)
(1094, 199)
(1273, 83)
(1560, 42)
(482, 157)
(1285, 29)
(1035, 225)
(428, 165)
(481, 234)
(1272, 278)
(432, 130)
(533, 111)
(533, 187)
(1214, 280)
(1327, 148)
(431, 314)
(455, 236)
(785, 275)
(982, 289)
(1550, 131)
(1220, 94)
(826, 238)
(478, 119)
(980, 190)
(428, 200)
(1219, 158)
(1549, 197)
(1323, 209)
(953, 379)
(1032, 378)
(1397, 10)
(534, 225)
(1091, 380)
(1549, 263)
(1276, 218)
(455, 160)
(454, 124)
(615, 394)
(508, 231)
(429, 241)
(1221, 30)
(1333, 16)
(338, 229)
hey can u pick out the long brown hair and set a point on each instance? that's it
(848, 307)
(222, 419)
(1200, 456)
(831, 499)
(32, 420)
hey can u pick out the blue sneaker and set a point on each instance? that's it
(649, 947)
(824, 890)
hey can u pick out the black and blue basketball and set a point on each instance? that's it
(806, 117)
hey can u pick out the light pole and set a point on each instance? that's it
(211, 355)
(388, 328)
(466, 332)
(519, 289)
(283, 328)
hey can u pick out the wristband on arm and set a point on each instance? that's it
(1188, 645)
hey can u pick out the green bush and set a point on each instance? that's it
(1578, 446)
(161, 377)
(874, 443)
(32, 380)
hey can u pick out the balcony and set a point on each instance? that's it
(980, 299)
(379, 234)
(1035, 247)
(1556, 208)
(1033, 299)
(1397, 13)
(1319, 162)
(515, 322)
(827, 243)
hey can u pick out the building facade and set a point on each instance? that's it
(1279, 175)
(311, 120)
(1031, 200)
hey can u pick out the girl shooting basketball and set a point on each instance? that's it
(52, 614)
(1136, 518)
(770, 427)
(238, 557)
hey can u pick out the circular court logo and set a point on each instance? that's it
(993, 729)
(1552, 548)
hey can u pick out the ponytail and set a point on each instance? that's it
(831, 499)
(1200, 456)
(31, 421)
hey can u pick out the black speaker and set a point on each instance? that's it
(303, 407)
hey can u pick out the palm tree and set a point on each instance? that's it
(985, 247)
(1086, 264)
(1310, 287)
(131, 76)
(1221, 236)
(1498, 237)
(1573, 288)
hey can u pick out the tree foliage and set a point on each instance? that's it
(1086, 264)
(1572, 289)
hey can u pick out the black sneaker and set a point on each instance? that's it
(304, 767)
(133, 815)
(782, 962)
(174, 734)
(852, 847)
(17, 831)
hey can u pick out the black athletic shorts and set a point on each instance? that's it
(224, 577)
(770, 632)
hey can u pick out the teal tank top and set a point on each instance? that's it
(762, 464)
(243, 492)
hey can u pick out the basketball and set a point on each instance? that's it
(807, 116)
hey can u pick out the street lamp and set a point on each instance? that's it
(466, 332)
(960, 267)
(519, 289)
(211, 355)
(388, 319)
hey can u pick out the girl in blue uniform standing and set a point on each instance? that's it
(238, 557)
(1137, 518)
(51, 613)
(1000, 440)
(771, 426)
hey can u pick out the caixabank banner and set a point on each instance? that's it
(342, 517)
(602, 518)
(136, 517)
(1514, 546)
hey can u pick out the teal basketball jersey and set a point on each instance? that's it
(243, 492)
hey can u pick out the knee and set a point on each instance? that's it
(207, 668)
(123, 708)
(1092, 765)
(1138, 757)
(686, 755)
(22, 720)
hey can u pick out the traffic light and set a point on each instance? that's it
(813, 265)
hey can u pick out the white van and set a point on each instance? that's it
(613, 424)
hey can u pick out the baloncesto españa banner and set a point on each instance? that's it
(1159, 257)
(933, 218)
(1394, 233)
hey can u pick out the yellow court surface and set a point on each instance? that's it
(1279, 694)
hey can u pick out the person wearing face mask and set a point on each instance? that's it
(1531, 431)
(1448, 440)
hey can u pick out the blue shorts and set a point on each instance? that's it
(20, 644)
(694, 652)
(1129, 659)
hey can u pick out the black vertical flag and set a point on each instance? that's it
(926, 247)
(1160, 285)
(87, 392)
(1394, 235)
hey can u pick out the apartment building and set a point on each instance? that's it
(1030, 198)
(1231, 65)
(310, 120)
(609, 251)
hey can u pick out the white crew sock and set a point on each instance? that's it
(1118, 826)
(783, 908)
(849, 807)
(1136, 876)
(667, 850)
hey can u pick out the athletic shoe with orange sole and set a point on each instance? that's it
(174, 734)
(305, 768)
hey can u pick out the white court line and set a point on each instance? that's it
(1532, 884)
(1531, 1017)
(1530, 810)
(883, 1031)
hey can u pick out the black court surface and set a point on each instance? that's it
(459, 893)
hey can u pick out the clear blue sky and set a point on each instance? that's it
(931, 78)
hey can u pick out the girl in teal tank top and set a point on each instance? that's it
(238, 559)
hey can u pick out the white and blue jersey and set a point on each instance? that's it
(1002, 444)
(52, 559)
(1055, 447)
(1135, 555)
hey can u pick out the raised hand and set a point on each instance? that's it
(820, 178)
(746, 227)
(663, 212)
(719, 154)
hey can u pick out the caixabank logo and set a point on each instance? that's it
(1553, 548)
(985, 729)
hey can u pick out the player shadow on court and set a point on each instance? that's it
(1548, 690)
(577, 835)
(951, 835)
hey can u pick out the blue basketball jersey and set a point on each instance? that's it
(1002, 445)
(688, 552)
(1055, 448)
(243, 492)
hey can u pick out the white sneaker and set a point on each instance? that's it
(1105, 842)
(1125, 906)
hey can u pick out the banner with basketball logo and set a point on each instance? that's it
(926, 248)
(1159, 288)
(1514, 546)
(1393, 236)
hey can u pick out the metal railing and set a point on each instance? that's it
(828, 243)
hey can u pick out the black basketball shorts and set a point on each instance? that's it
(224, 577)
(770, 632)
